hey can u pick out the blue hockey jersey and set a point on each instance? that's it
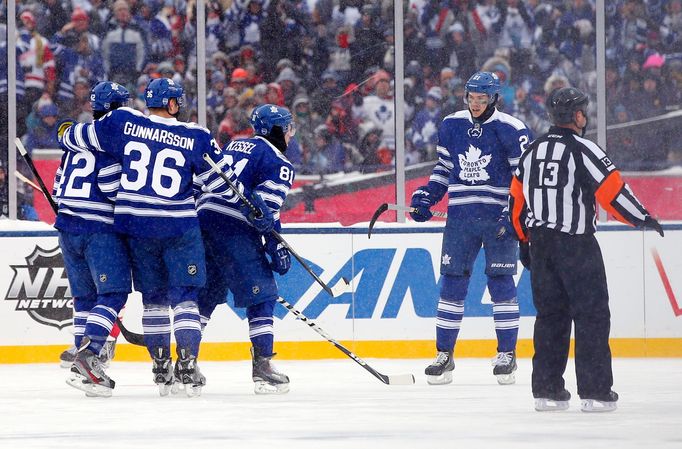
(476, 162)
(261, 168)
(85, 189)
(159, 157)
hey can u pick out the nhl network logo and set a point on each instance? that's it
(41, 289)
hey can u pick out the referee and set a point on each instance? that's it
(552, 203)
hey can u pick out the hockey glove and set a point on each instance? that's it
(422, 200)
(62, 127)
(280, 258)
(651, 223)
(263, 224)
(524, 254)
(505, 229)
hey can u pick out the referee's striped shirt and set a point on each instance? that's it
(558, 181)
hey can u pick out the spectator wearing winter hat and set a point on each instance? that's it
(289, 82)
(305, 125)
(44, 133)
(321, 98)
(380, 109)
(214, 97)
(71, 33)
(238, 79)
(123, 47)
(461, 51)
(425, 128)
(36, 59)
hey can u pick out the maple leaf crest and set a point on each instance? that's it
(473, 165)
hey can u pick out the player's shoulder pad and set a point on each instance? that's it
(507, 119)
(271, 150)
(463, 114)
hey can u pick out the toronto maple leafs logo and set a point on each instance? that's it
(476, 131)
(472, 165)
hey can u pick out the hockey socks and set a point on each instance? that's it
(448, 322)
(102, 318)
(506, 316)
(187, 326)
(81, 310)
(260, 327)
(156, 325)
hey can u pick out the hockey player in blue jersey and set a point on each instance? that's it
(478, 151)
(95, 257)
(155, 208)
(236, 251)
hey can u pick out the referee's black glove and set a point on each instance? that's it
(651, 223)
(524, 254)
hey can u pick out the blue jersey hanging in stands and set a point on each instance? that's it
(261, 168)
(476, 170)
(159, 157)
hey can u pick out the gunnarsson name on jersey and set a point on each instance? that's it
(158, 135)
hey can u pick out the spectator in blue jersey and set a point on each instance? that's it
(155, 209)
(478, 151)
(236, 252)
(95, 256)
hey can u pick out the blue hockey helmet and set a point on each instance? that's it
(483, 83)
(266, 116)
(160, 90)
(106, 96)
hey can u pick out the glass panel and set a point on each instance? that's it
(66, 49)
(4, 179)
(643, 76)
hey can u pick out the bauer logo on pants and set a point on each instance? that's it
(41, 289)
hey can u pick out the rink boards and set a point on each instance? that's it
(390, 311)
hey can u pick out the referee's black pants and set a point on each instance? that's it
(569, 285)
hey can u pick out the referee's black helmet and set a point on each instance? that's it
(563, 103)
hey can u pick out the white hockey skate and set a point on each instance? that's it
(504, 366)
(266, 378)
(88, 375)
(600, 404)
(187, 374)
(162, 369)
(440, 371)
(554, 402)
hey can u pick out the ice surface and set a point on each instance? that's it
(336, 404)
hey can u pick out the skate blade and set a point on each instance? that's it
(165, 389)
(193, 391)
(550, 405)
(443, 379)
(65, 364)
(595, 406)
(261, 387)
(506, 379)
(91, 390)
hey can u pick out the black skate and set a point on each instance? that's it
(88, 375)
(162, 368)
(187, 374)
(440, 371)
(552, 402)
(600, 403)
(265, 376)
(504, 366)
(67, 357)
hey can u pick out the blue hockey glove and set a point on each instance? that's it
(263, 224)
(505, 229)
(422, 200)
(524, 254)
(280, 258)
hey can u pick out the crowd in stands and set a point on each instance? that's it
(332, 63)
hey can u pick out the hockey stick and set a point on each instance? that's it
(399, 379)
(340, 288)
(131, 337)
(29, 162)
(384, 207)
(25, 180)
